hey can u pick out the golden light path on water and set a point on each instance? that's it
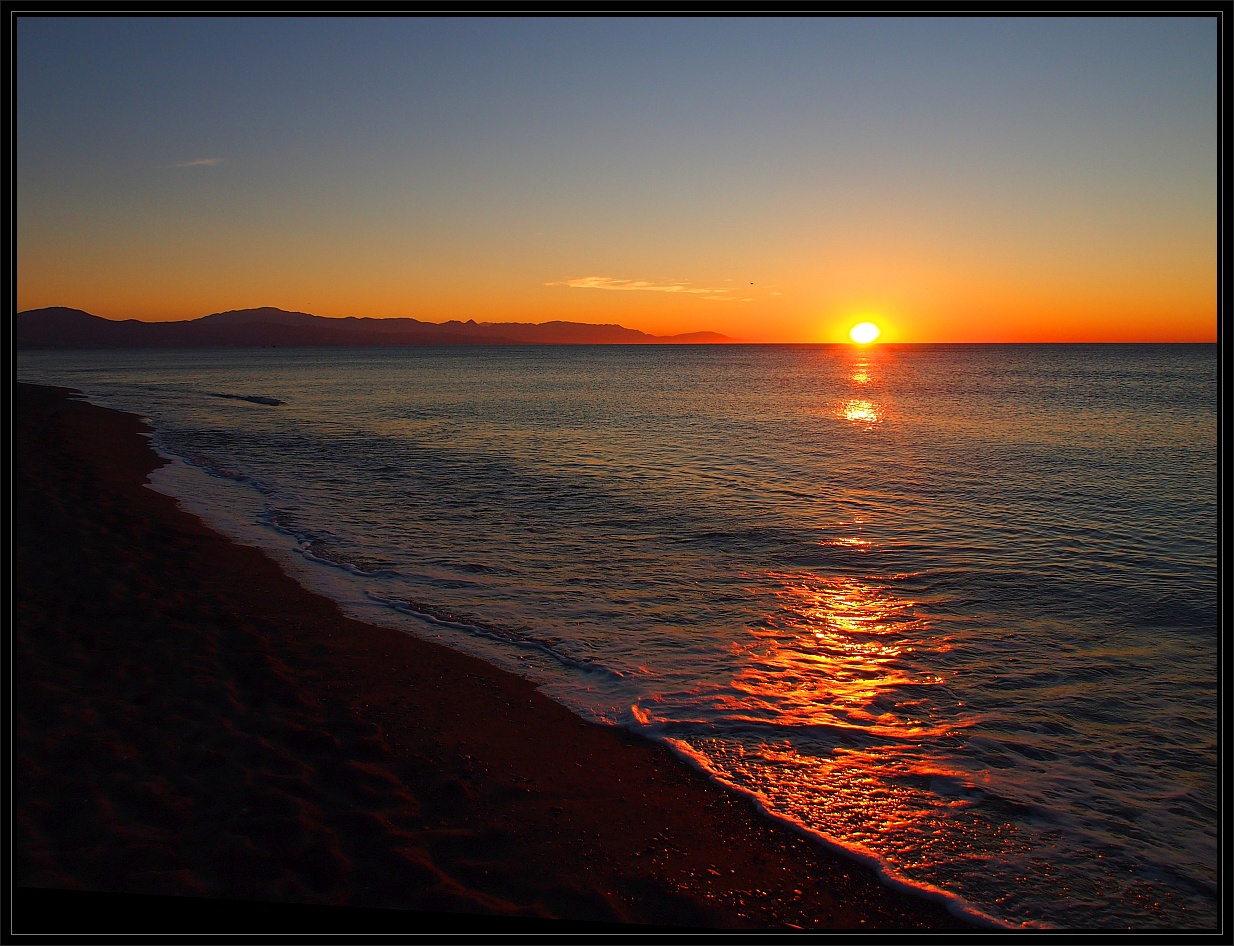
(836, 668)
(842, 668)
(861, 410)
(832, 656)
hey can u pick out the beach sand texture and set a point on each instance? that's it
(188, 721)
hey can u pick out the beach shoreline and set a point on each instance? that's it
(188, 721)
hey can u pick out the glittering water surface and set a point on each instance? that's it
(954, 608)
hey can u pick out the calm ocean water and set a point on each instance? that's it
(952, 608)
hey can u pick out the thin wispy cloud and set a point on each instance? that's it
(639, 285)
(196, 163)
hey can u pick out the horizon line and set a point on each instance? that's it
(726, 339)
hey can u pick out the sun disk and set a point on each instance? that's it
(864, 333)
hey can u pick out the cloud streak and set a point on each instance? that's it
(196, 163)
(638, 285)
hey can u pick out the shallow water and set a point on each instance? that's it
(954, 608)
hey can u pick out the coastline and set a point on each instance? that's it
(188, 721)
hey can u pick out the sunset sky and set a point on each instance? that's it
(951, 180)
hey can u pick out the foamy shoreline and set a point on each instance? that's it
(185, 483)
(538, 788)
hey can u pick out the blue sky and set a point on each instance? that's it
(948, 176)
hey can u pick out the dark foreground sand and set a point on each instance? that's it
(187, 721)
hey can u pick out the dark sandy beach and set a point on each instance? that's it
(187, 721)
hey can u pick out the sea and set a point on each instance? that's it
(951, 609)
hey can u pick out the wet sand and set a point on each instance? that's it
(188, 722)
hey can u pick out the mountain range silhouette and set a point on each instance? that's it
(266, 327)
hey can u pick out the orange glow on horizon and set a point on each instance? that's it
(792, 318)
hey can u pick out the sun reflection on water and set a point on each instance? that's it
(861, 411)
(863, 370)
(834, 654)
(865, 409)
(852, 542)
(839, 663)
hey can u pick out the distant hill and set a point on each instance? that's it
(59, 327)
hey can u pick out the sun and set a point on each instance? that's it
(864, 333)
